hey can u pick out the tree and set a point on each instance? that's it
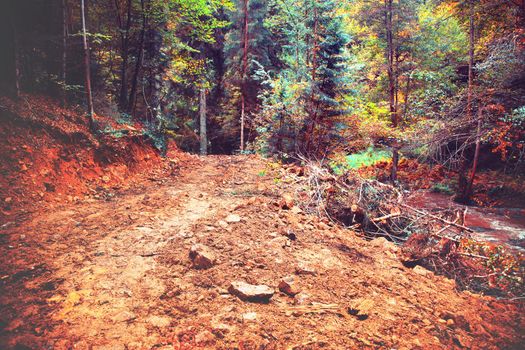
(91, 113)
(392, 82)
(124, 28)
(139, 59)
(464, 188)
(63, 67)
(202, 122)
(303, 103)
(246, 43)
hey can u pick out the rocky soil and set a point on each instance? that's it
(209, 259)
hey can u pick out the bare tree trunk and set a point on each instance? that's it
(391, 84)
(476, 153)
(91, 113)
(63, 69)
(242, 121)
(16, 54)
(244, 69)
(202, 122)
(407, 95)
(312, 59)
(156, 66)
(124, 48)
(138, 65)
(463, 194)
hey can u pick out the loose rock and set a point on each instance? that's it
(250, 292)
(361, 308)
(287, 285)
(301, 299)
(303, 269)
(287, 201)
(204, 337)
(233, 218)
(202, 257)
(249, 316)
(421, 270)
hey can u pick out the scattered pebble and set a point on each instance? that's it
(233, 218)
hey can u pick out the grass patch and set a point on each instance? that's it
(357, 160)
(442, 188)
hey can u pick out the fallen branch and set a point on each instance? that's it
(384, 217)
(450, 223)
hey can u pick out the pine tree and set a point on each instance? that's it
(248, 46)
(302, 105)
(327, 76)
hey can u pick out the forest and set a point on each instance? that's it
(262, 174)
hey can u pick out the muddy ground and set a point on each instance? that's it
(113, 272)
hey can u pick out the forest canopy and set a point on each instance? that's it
(441, 81)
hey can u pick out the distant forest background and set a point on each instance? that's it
(438, 80)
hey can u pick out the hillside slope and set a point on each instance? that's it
(115, 273)
(49, 155)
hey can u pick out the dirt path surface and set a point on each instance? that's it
(115, 273)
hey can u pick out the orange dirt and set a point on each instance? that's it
(115, 274)
(48, 154)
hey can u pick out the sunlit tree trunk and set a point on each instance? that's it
(463, 194)
(391, 83)
(156, 65)
(407, 96)
(244, 69)
(91, 112)
(476, 153)
(202, 121)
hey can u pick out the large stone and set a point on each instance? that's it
(202, 257)
(250, 292)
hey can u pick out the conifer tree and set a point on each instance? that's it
(248, 46)
(303, 99)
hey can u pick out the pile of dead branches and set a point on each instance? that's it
(437, 240)
(373, 207)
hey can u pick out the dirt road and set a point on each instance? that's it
(114, 273)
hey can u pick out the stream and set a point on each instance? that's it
(505, 226)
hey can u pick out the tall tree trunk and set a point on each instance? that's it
(463, 194)
(156, 67)
(16, 47)
(16, 51)
(63, 68)
(311, 105)
(124, 48)
(244, 69)
(138, 65)
(202, 122)
(91, 113)
(391, 83)
(407, 96)
(476, 153)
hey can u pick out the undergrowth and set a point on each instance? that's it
(357, 160)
